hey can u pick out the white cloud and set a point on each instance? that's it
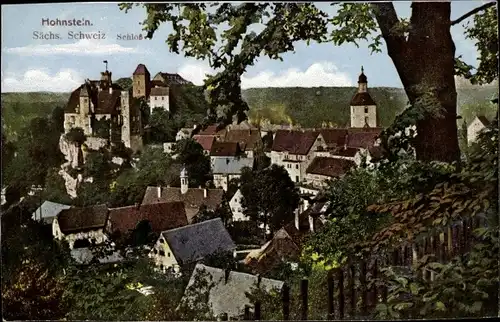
(318, 74)
(39, 80)
(82, 47)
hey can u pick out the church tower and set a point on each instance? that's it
(363, 107)
(141, 82)
(184, 180)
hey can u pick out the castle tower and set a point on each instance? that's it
(363, 107)
(84, 109)
(184, 180)
(105, 83)
(141, 82)
(125, 118)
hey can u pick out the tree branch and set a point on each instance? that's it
(474, 11)
(387, 19)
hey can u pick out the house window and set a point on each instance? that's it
(163, 98)
(366, 110)
(162, 253)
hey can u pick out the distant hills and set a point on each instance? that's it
(309, 107)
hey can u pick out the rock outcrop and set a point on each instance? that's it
(72, 153)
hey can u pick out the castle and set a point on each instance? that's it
(101, 100)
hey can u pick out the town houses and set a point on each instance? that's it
(173, 223)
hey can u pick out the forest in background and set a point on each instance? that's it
(307, 106)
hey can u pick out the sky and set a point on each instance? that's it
(60, 65)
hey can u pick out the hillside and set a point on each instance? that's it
(308, 107)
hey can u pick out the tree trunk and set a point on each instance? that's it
(425, 61)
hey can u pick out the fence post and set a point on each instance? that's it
(352, 284)
(330, 295)
(303, 292)
(341, 302)
(286, 302)
(362, 279)
(257, 311)
(247, 313)
(374, 286)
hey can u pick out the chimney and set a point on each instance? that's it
(159, 191)
(297, 219)
(205, 193)
(226, 274)
(311, 224)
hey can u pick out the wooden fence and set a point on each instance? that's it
(355, 300)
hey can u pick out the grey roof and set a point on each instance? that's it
(48, 210)
(230, 296)
(234, 166)
(194, 242)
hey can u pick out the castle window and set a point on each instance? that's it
(296, 166)
(163, 98)
(366, 109)
(156, 98)
(162, 253)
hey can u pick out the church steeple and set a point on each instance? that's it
(363, 107)
(362, 81)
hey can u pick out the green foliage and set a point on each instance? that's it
(162, 127)
(101, 293)
(194, 305)
(18, 109)
(125, 83)
(190, 153)
(76, 135)
(269, 196)
(101, 128)
(34, 152)
(32, 266)
(55, 188)
(485, 32)
(349, 196)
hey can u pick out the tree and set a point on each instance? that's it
(76, 135)
(269, 196)
(421, 49)
(191, 154)
(162, 127)
(125, 83)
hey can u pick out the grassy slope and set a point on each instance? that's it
(305, 106)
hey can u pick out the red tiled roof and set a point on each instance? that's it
(206, 141)
(225, 149)
(361, 139)
(334, 137)
(330, 167)
(159, 91)
(193, 199)
(294, 142)
(209, 130)
(347, 152)
(362, 99)
(483, 119)
(141, 70)
(75, 220)
(248, 139)
(163, 216)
